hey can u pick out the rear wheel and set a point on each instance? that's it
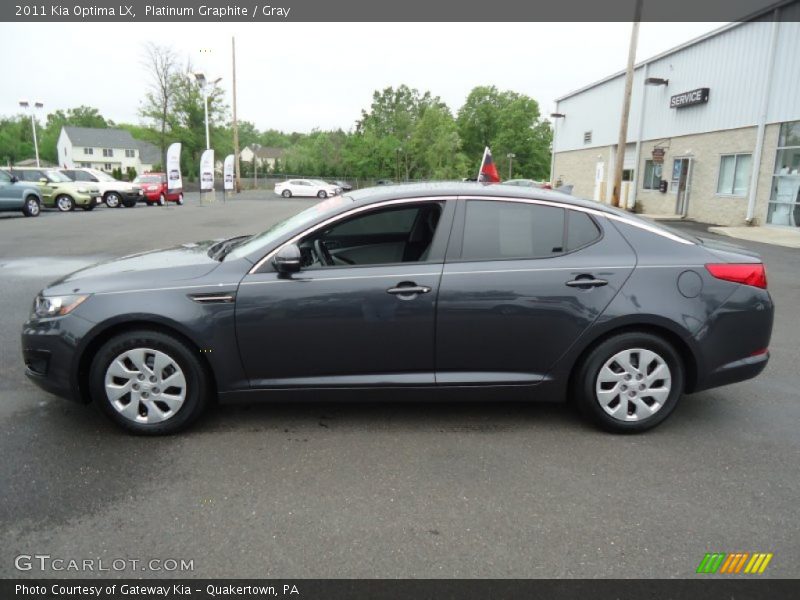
(630, 382)
(89, 206)
(286, 193)
(148, 382)
(112, 200)
(180, 199)
(31, 208)
(162, 200)
(65, 203)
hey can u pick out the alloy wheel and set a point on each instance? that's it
(33, 207)
(633, 385)
(145, 385)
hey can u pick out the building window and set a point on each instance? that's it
(734, 172)
(130, 153)
(85, 165)
(107, 167)
(108, 152)
(88, 150)
(652, 175)
(587, 137)
(627, 175)
(784, 201)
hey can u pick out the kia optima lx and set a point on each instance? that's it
(455, 290)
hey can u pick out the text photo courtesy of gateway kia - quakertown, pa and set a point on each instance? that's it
(362, 300)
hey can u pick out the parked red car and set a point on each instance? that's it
(156, 189)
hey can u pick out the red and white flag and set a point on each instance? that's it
(488, 172)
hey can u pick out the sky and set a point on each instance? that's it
(302, 76)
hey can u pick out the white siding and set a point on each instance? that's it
(732, 64)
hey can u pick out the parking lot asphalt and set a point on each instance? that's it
(486, 489)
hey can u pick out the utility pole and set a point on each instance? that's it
(238, 185)
(626, 106)
(510, 156)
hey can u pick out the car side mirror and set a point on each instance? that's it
(14, 179)
(287, 260)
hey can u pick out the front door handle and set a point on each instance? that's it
(586, 282)
(408, 289)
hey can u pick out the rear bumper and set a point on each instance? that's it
(733, 343)
(734, 372)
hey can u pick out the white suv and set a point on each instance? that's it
(115, 193)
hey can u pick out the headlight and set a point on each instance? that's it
(56, 306)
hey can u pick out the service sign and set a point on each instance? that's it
(698, 96)
(207, 171)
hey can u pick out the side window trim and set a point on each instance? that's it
(455, 247)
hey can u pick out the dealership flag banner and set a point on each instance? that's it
(227, 173)
(174, 180)
(207, 171)
(488, 172)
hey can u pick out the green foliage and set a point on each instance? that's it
(130, 173)
(116, 173)
(507, 122)
(403, 134)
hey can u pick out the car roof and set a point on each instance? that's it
(468, 188)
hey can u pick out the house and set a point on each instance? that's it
(105, 149)
(713, 131)
(264, 156)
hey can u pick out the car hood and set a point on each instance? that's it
(147, 270)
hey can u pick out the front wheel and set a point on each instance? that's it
(31, 208)
(286, 193)
(162, 200)
(180, 200)
(149, 382)
(322, 194)
(113, 200)
(630, 382)
(64, 203)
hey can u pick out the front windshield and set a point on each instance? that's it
(147, 179)
(56, 177)
(306, 217)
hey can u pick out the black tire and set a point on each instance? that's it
(588, 371)
(322, 194)
(128, 202)
(32, 207)
(113, 200)
(65, 203)
(162, 200)
(286, 193)
(198, 384)
(88, 207)
(180, 199)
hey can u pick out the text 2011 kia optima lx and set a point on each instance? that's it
(456, 290)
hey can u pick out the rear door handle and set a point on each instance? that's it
(408, 290)
(587, 283)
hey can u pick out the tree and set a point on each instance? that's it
(507, 122)
(162, 64)
(81, 116)
(434, 145)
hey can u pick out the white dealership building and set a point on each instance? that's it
(713, 131)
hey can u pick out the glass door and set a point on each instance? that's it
(784, 202)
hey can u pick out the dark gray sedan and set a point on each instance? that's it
(461, 291)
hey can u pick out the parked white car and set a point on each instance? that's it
(306, 187)
(115, 193)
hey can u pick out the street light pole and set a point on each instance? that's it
(204, 84)
(27, 106)
(511, 156)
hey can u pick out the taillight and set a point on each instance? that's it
(748, 273)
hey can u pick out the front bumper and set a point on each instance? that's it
(50, 353)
